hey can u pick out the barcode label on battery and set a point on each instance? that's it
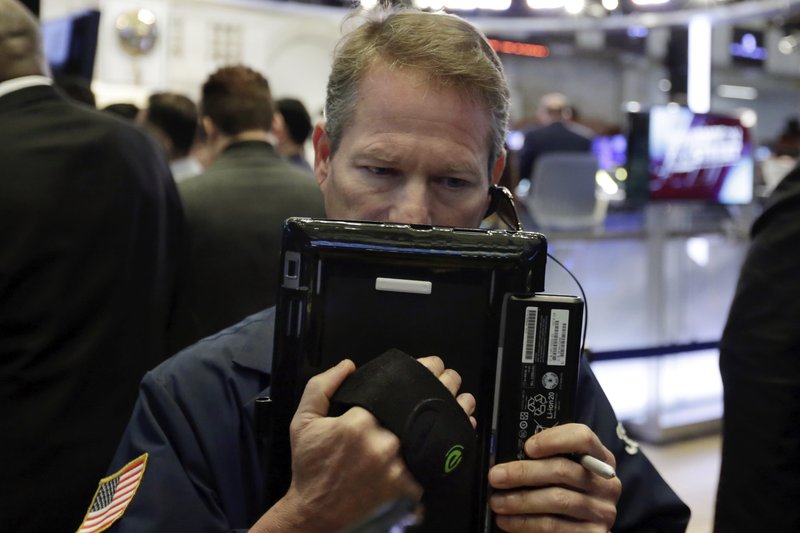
(529, 334)
(557, 346)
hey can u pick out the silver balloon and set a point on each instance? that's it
(137, 31)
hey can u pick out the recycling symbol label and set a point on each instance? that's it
(537, 404)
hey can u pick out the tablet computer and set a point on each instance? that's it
(356, 289)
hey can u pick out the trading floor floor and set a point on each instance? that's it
(691, 468)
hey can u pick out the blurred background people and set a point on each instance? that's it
(555, 133)
(125, 110)
(236, 208)
(788, 142)
(784, 154)
(91, 234)
(291, 128)
(172, 119)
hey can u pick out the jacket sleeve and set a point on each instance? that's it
(176, 492)
(647, 503)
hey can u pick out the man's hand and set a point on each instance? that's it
(550, 492)
(452, 380)
(342, 467)
(345, 467)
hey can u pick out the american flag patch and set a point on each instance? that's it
(112, 497)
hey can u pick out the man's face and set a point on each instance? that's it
(413, 153)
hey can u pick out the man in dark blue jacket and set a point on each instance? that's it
(417, 112)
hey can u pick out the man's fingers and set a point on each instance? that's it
(554, 500)
(568, 438)
(467, 403)
(433, 363)
(553, 471)
(449, 377)
(316, 399)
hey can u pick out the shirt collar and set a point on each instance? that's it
(17, 84)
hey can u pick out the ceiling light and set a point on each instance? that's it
(596, 10)
(788, 44)
(461, 5)
(574, 7)
(739, 92)
(633, 107)
(698, 97)
(495, 5)
(146, 16)
(545, 4)
(748, 118)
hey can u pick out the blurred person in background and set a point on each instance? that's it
(788, 142)
(172, 119)
(556, 132)
(236, 208)
(292, 128)
(126, 110)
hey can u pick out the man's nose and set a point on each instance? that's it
(412, 205)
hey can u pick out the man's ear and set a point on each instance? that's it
(278, 126)
(322, 153)
(208, 127)
(216, 140)
(494, 179)
(499, 166)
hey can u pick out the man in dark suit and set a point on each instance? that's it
(555, 133)
(759, 360)
(236, 208)
(90, 232)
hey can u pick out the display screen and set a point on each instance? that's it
(682, 155)
(70, 43)
(699, 156)
(610, 151)
(747, 47)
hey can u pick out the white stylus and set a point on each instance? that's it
(595, 466)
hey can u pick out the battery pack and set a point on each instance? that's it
(538, 356)
(537, 369)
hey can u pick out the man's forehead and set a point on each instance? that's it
(396, 94)
(398, 153)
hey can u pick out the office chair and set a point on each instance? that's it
(563, 193)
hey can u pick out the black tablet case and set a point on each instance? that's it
(329, 309)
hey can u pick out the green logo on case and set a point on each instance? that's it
(453, 458)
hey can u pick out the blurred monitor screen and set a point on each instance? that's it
(682, 155)
(70, 43)
(747, 47)
(610, 151)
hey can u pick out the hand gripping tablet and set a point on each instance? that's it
(437, 439)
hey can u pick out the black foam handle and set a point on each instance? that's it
(437, 438)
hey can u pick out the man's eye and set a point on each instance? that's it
(380, 171)
(455, 183)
